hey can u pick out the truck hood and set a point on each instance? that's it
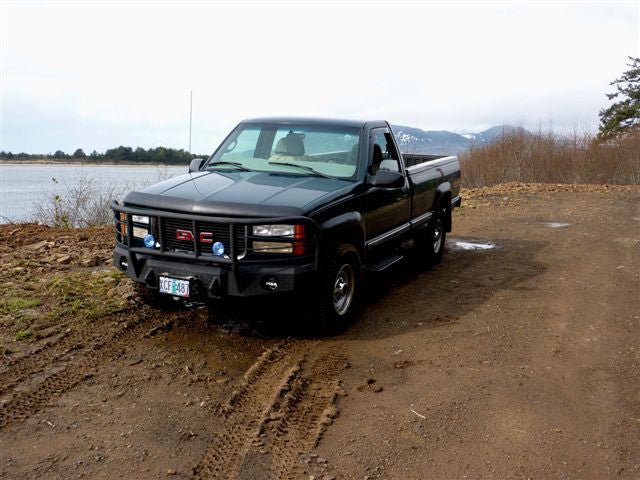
(241, 194)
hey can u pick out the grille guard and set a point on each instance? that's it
(311, 246)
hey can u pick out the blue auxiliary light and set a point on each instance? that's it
(218, 249)
(149, 241)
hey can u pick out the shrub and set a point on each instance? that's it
(82, 204)
(546, 157)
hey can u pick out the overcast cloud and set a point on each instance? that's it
(98, 75)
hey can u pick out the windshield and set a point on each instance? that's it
(298, 149)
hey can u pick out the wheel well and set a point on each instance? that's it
(445, 204)
(348, 249)
(340, 237)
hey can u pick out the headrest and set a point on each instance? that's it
(292, 144)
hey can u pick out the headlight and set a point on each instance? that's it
(274, 230)
(287, 239)
(272, 247)
(141, 224)
(140, 232)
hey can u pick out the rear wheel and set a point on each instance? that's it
(340, 286)
(430, 242)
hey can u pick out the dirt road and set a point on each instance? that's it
(517, 357)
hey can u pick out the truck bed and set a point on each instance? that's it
(423, 171)
(412, 159)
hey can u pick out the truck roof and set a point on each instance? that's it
(311, 121)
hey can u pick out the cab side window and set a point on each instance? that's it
(384, 154)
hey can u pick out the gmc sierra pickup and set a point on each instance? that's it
(288, 204)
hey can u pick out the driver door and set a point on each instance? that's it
(387, 208)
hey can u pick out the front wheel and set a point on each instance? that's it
(340, 285)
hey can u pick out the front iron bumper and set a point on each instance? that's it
(241, 273)
(211, 281)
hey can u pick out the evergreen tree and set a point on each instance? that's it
(624, 113)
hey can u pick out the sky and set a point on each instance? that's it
(95, 75)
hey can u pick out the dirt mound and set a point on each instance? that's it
(537, 188)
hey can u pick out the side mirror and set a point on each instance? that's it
(388, 179)
(195, 164)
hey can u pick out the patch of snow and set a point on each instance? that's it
(556, 224)
(460, 245)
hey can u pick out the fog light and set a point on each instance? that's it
(218, 249)
(124, 263)
(270, 283)
(149, 241)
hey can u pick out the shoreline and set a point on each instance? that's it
(91, 164)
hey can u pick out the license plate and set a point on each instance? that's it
(174, 286)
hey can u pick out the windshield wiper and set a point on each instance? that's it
(304, 167)
(238, 165)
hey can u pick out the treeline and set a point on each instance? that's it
(158, 155)
(547, 157)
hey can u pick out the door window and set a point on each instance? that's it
(385, 156)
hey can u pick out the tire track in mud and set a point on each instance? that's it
(25, 366)
(24, 403)
(301, 419)
(245, 410)
(280, 412)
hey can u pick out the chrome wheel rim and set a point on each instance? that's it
(343, 289)
(438, 230)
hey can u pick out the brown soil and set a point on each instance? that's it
(520, 361)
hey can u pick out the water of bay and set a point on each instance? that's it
(22, 187)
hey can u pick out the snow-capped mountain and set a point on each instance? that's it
(415, 140)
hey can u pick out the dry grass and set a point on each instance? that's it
(546, 157)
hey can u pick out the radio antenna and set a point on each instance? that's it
(190, 116)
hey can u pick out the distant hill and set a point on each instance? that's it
(415, 140)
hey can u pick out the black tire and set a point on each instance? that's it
(430, 242)
(218, 312)
(340, 285)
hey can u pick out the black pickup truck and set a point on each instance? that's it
(288, 204)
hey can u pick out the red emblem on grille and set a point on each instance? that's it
(187, 236)
(206, 237)
(184, 235)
